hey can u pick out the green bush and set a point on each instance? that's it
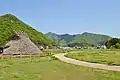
(117, 45)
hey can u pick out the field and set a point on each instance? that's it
(110, 57)
(50, 68)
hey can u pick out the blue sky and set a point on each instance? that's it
(67, 16)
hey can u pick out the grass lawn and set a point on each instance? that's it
(110, 57)
(48, 52)
(49, 68)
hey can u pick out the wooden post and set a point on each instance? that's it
(1, 51)
(39, 53)
(2, 56)
(21, 55)
(30, 55)
(34, 55)
(11, 55)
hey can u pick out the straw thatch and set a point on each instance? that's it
(21, 44)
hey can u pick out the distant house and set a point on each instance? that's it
(61, 47)
(101, 47)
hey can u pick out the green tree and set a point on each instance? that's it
(114, 42)
(117, 45)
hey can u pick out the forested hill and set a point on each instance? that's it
(10, 23)
(61, 40)
(89, 38)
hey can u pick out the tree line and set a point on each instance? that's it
(113, 43)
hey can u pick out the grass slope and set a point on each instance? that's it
(10, 23)
(49, 68)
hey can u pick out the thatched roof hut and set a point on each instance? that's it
(21, 44)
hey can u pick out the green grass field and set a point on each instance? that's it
(50, 68)
(110, 57)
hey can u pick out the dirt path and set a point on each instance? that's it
(86, 64)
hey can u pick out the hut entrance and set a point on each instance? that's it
(1, 50)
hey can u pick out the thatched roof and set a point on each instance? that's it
(21, 44)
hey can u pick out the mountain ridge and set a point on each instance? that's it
(85, 37)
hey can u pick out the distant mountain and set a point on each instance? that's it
(90, 38)
(10, 23)
(67, 37)
(62, 40)
(84, 38)
(53, 36)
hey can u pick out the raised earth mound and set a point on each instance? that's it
(21, 44)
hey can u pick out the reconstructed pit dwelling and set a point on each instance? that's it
(21, 44)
